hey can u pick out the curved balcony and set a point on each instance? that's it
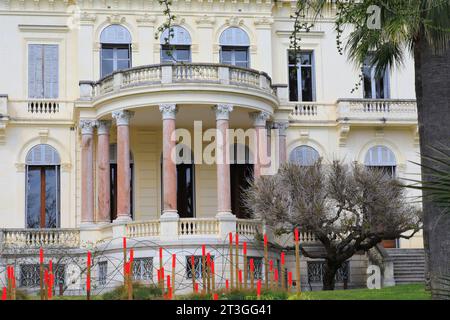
(186, 83)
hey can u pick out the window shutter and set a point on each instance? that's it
(51, 71)
(35, 71)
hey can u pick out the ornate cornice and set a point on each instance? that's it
(234, 21)
(146, 20)
(205, 21)
(223, 111)
(116, 18)
(168, 110)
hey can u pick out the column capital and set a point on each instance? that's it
(223, 111)
(87, 126)
(168, 110)
(282, 127)
(259, 118)
(103, 127)
(122, 117)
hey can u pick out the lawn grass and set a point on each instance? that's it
(400, 292)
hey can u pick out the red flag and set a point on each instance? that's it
(174, 260)
(216, 296)
(227, 284)
(276, 274)
(4, 296)
(88, 259)
(290, 279)
(127, 268)
(208, 259)
(282, 258)
(160, 254)
(159, 275)
(245, 247)
(252, 265)
(296, 234)
(265, 240)
(258, 288)
(271, 265)
(196, 287)
(46, 276)
(237, 238)
(169, 293)
(231, 237)
(203, 250)
(124, 243)
(168, 281)
(240, 276)
(50, 266)
(162, 274)
(212, 266)
(41, 256)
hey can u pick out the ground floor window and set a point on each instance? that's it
(30, 275)
(258, 265)
(316, 271)
(143, 269)
(197, 266)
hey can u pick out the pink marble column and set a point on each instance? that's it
(223, 163)
(281, 128)
(169, 166)
(103, 174)
(87, 171)
(123, 165)
(261, 158)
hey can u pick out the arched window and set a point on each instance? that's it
(185, 181)
(241, 172)
(304, 156)
(175, 45)
(43, 187)
(381, 158)
(113, 179)
(116, 49)
(234, 47)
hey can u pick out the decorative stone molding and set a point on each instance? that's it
(264, 22)
(223, 111)
(379, 133)
(103, 127)
(234, 21)
(20, 167)
(282, 127)
(43, 134)
(66, 167)
(168, 111)
(259, 118)
(116, 18)
(87, 126)
(146, 20)
(122, 117)
(87, 18)
(205, 21)
(179, 20)
(343, 135)
(304, 135)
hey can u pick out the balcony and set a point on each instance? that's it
(187, 83)
(355, 112)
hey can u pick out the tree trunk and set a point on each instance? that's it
(433, 105)
(329, 275)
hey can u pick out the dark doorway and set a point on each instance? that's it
(240, 175)
(113, 194)
(185, 190)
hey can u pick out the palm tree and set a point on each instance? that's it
(421, 27)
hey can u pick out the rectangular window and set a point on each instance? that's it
(316, 271)
(175, 54)
(30, 275)
(258, 263)
(301, 76)
(235, 56)
(102, 272)
(198, 266)
(115, 57)
(43, 69)
(375, 87)
(143, 269)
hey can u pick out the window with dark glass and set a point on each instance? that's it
(175, 45)
(304, 156)
(43, 69)
(241, 173)
(375, 86)
(301, 76)
(113, 181)
(115, 49)
(234, 47)
(42, 188)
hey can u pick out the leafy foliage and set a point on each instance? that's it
(140, 292)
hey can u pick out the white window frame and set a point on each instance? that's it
(58, 67)
(299, 66)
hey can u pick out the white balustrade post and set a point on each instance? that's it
(118, 80)
(227, 224)
(224, 75)
(86, 90)
(166, 74)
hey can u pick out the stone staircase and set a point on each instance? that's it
(409, 265)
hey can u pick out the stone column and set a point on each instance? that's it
(282, 147)
(87, 171)
(123, 165)
(260, 153)
(169, 166)
(103, 175)
(222, 160)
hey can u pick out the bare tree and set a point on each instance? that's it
(347, 207)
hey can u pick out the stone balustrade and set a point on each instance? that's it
(182, 73)
(195, 227)
(143, 229)
(248, 228)
(45, 238)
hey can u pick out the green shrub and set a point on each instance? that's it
(140, 292)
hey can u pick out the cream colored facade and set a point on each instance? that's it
(338, 124)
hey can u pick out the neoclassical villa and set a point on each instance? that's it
(91, 95)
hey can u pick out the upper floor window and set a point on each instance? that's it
(116, 49)
(175, 45)
(381, 158)
(234, 47)
(301, 76)
(43, 77)
(375, 87)
(304, 156)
